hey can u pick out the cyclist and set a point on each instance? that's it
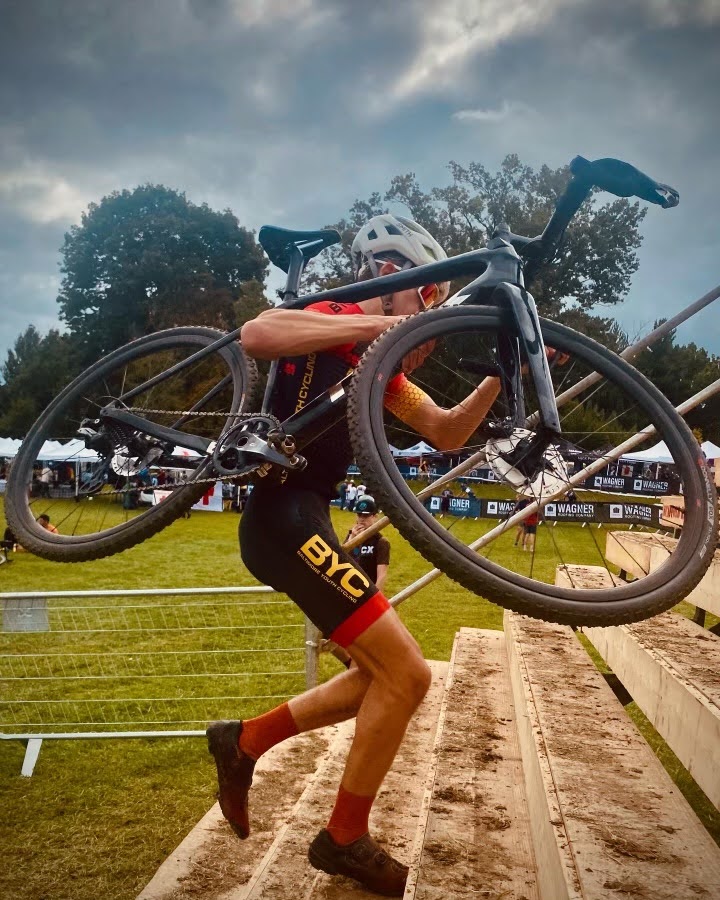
(287, 541)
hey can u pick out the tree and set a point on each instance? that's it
(593, 267)
(681, 370)
(34, 372)
(147, 259)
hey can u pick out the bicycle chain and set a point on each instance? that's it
(181, 412)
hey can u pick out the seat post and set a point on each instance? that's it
(295, 270)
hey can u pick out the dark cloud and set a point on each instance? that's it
(286, 111)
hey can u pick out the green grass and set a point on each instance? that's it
(98, 817)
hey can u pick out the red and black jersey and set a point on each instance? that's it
(302, 378)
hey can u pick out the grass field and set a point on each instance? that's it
(98, 817)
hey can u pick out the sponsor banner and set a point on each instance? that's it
(498, 509)
(607, 513)
(570, 512)
(459, 506)
(626, 485)
(638, 513)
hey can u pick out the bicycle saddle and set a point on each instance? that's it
(278, 242)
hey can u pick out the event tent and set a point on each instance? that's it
(656, 454)
(9, 447)
(419, 449)
(52, 451)
(660, 453)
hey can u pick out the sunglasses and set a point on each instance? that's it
(428, 294)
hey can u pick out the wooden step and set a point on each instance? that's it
(671, 667)
(606, 819)
(284, 873)
(211, 860)
(639, 552)
(473, 838)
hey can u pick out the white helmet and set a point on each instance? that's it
(387, 236)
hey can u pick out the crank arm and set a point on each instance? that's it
(258, 451)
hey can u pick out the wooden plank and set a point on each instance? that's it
(285, 873)
(475, 835)
(639, 552)
(210, 860)
(671, 667)
(612, 822)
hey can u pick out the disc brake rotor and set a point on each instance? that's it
(544, 477)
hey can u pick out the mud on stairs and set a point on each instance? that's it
(521, 778)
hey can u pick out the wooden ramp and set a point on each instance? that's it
(521, 778)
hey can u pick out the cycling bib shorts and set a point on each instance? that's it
(287, 541)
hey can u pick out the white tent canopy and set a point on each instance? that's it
(660, 453)
(657, 454)
(9, 447)
(52, 451)
(419, 449)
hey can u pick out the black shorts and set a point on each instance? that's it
(288, 542)
(530, 529)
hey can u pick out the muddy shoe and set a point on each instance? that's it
(235, 773)
(364, 860)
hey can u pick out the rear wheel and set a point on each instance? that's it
(97, 502)
(514, 567)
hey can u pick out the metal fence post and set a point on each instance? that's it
(312, 651)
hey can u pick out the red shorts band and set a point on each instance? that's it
(360, 620)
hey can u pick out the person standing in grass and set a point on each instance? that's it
(373, 555)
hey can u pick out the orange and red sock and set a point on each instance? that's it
(349, 819)
(260, 734)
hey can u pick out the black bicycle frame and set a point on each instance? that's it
(498, 273)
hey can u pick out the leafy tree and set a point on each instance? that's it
(147, 259)
(34, 372)
(681, 370)
(593, 267)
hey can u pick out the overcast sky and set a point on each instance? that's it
(285, 111)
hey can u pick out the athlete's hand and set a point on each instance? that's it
(417, 357)
(555, 357)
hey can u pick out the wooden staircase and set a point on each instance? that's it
(521, 778)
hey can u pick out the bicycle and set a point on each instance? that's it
(194, 389)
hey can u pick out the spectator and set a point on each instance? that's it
(46, 477)
(8, 544)
(351, 495)
(373, 555)
(445, 497)
(43, 521)
(342, 493)
(423, 469)
(520, 531)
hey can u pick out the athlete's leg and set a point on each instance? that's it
(399, 679)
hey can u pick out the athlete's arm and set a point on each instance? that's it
(295, 332)
(382, 571)
(445, 429)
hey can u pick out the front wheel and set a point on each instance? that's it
(103, 503)
(518, 567)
